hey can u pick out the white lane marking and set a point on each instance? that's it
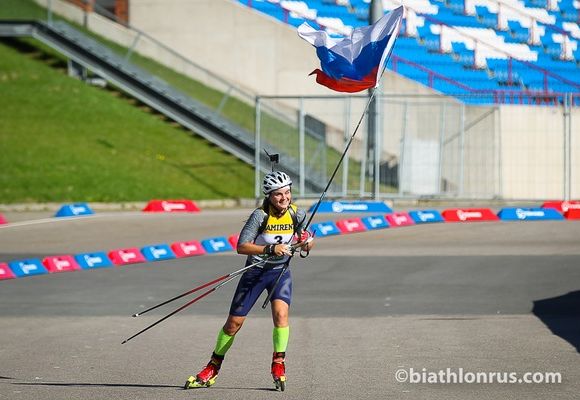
(70, 219)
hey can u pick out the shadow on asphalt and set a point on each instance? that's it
(128, 385)
(81, 384)
(562, 316)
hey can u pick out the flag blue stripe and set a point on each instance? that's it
(337, 67)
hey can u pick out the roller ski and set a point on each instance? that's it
(279, 371)
(206, 377)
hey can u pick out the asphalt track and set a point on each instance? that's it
(482, 297)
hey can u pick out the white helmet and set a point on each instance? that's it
(275, 180)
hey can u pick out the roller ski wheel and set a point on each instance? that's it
(193, 383)
(205, 378)
(279, 371)
(280, 383)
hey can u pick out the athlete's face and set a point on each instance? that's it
(281, 198)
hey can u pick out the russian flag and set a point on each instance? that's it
(354, 63)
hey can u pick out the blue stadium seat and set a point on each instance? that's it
(424, 50)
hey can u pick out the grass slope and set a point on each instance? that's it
(274, 130)
(61, 140)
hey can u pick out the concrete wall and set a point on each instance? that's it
(240, 44)
(532, 152)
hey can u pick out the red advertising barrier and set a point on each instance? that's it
(399, 219)
(6, 272)
(187, 249)
(572, 213)
(2, 220)
(126, 256)
(233, 239)
(469, 215)
(171, 206)
(64, 263)
(562, 206)
(351, 225)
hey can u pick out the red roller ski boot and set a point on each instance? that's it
(279, 370)
(207, 376)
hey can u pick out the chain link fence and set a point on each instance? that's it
(428, 146)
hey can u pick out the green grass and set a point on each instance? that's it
(21, 9)
(62, 140)
(274, 130)
(234, 109)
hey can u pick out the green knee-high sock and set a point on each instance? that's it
(280, 338)
(223, 343)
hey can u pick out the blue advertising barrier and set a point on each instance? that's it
(28, 267)
(426, 216)
(352, 207)
(158, 252)
(375, 222)
(93, 260)
(73, 210)
(327, 228)
(216, 245)
(529, 214)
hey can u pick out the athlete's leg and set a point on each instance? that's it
(280, 305)
(233, 324)
(246, 294)
(280, 313)
(280, 335)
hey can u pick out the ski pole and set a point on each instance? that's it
(213, 289)
(221, 278)
(327, 185)
(228, 278)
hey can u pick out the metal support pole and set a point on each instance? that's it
(363, 166)
(224, 100)
(441, 144)
(377, 148)
(371, 142)
(567, 149)
(372, 148)
(570, 145)
(86, 14)
(499, 152)
(132, 48)
(462, 151)
(257, 147)
(49, 12)
(347, 103)
(301, 144)
(400, 170)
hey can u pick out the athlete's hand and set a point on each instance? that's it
(306, 241)
(282, 249)
(308, 244)
(305, 236)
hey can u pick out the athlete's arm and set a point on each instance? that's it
(303, 235)
(250, 248)
(248, 234)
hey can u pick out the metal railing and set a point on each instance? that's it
(533, 19)
(545, 73)
(141, 40)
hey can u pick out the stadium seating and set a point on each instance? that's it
(464, 46)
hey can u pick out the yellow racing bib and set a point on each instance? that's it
(277, 230)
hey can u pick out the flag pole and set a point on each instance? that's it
(371, 97)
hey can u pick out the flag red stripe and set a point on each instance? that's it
(346, 84)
